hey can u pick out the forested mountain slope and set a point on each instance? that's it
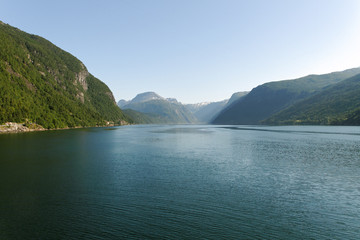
(270, 98)
(41, 83)
(338, 104)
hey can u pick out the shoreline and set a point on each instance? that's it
(12, 127)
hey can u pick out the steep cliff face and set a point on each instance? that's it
(41, 83)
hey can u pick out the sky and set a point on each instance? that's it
(196, 50)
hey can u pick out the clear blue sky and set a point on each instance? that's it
(196, 50)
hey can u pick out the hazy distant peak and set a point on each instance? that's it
(122, 103)
(146, 96)
(202, 104)
(236, 96)
(172, 100)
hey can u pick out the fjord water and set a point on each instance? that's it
(181, 182)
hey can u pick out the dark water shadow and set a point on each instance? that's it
(289, 131)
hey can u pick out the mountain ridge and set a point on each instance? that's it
(338, 104)
(144, 103)
(157, 109)
(272, 97)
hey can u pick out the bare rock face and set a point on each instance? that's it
(11, 127)
(111, 96)
(81, 78)
(81, 96)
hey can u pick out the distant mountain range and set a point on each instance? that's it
(327, 99)
(149, 107)
(272, 98)
(205, 112)
(40, 83)
(156, 109)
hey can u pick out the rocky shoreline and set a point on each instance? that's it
(11, 127)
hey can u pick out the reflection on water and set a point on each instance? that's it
(187, 182)
(193, 130)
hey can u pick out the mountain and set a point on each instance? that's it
(235, 97)
(143, 118)
(204, 112)
(146, 96)
(214, 113)
(338, 104)
(41, 83)
(159, 109)
(122, 103)
(172, 100)
(194, 107)
(270, 98)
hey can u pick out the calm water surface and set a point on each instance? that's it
(181, 182)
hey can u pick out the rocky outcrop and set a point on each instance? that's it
(111, 96)
(81, 78)
(11, 127)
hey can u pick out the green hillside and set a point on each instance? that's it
(165, 111)
(143, 118)
(41, 83)
(338, 104)
(270, 98)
